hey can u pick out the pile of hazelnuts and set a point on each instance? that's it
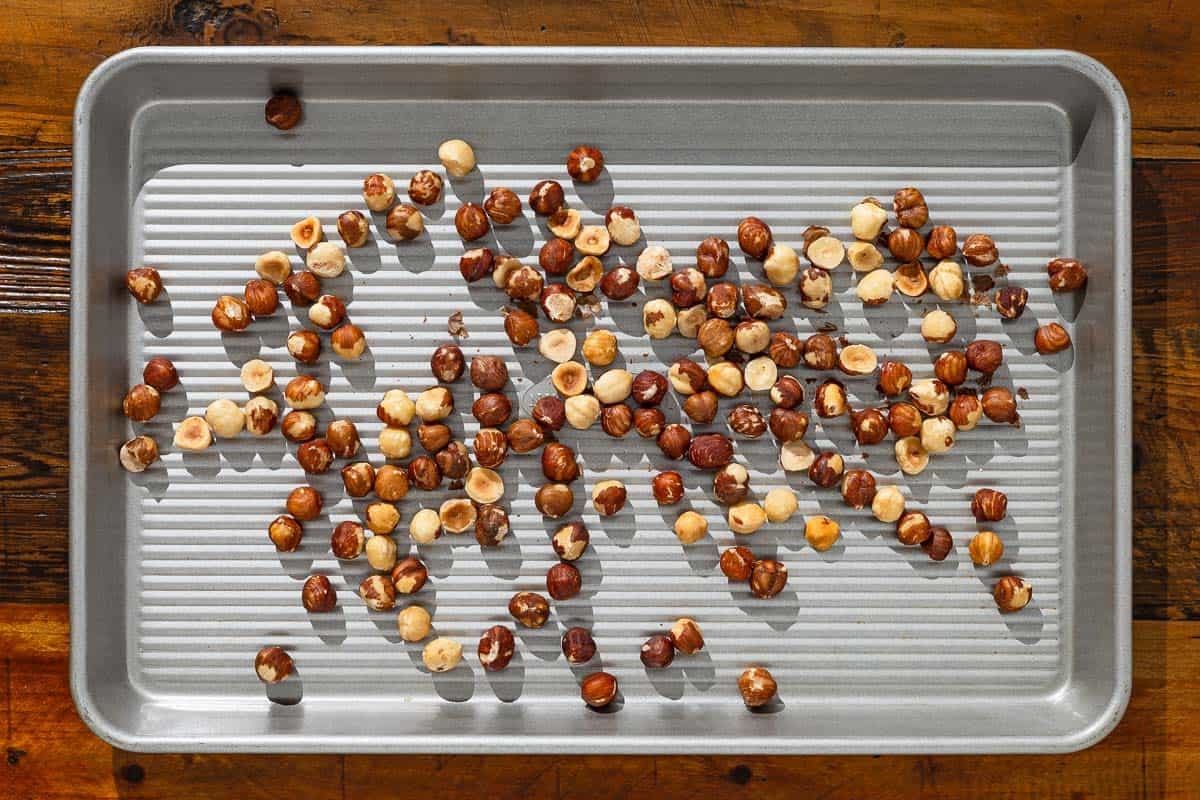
(730, 325)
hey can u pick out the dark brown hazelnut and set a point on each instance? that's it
(980, 250)
(754, 237)
(1012, 593)
(858, 488)
(658, 652)
(701, 407)
(230, 314)
(489, 373)
(619, 283)
(492, 409)
(425, 187)
(942, 242)
(785, 349)
(649, 388)
(585, 163)
(710, 451)
(304, 346)
(938, 545)
(1000, 406)
(424, 473)
(525, 283)
(570, 540)
(578, 646)
(904, 419)
(502, 205)
(546, 197)
(869, 426)
(391, 483)
(554, 499)
(342, 435)
(261, 297)
(141, 403)
(767, 577)
(347, 540)
(787, 424)
(491, 525)
(722, 300)
(491, 447)
(318, 595)
(913, 527)
(686, 636)
(525, 436)
(315, 456)
(598, 689)
(550, 412)
(687, 287)
(965, 411)
(1051, 338)
(1011, 301)
(563, 581)
(715, 337)
(453, 460)
(687, 376)
(353, 227)
(951, 367)
(298, 426)
(285, 533)
(827, 469)
(471, 222)
(984, 356)
(989, 505)
(737, 562)
(558, 302)
(283, 111)
(674, 441)
(496, 648)
(556, 256)
(521, 327)
(894, 378)
(1066, 274)
(731, 484)
(616, 419)
(830, 399)
(302, 288)
(144, 283)
(559, 464)
(667, 488)
(911, 210)
(160, 374)
(358, 478)
(746, 420)
(649, 422)
(820, 352)
(712, 257)
(787, 392)
(409, 575)
(763, 302)
(905, 245)
(476, 264)
(433, 436)
(529, 608)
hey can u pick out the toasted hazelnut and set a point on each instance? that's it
(307, 233)
(328, 312)
(623, 226)
(318, 595)
(395, 443)
(745, 518)
(559, 464)
(225, 418)
(687, 377)
(396, 409)
(731, 484)
(261, 297)
(820, 352)
(586, 275)
(453, 460)
(911, 210)
(353, 227)
(566, 223)
(765, 302)
(657, 652)
(138, 453)
(667, 488)
(781, 264)
(1011, 301)
(529, 608)
(593, 240)
(648, 422)
(585, 163)
(442, 654)
(582, 411)
(546, 197)
(869, 426)
(875, 288)
(404, 223)
(299, 426)
(658, 318)
(557, 345)
(471, 222)
(144, 284)
(751, 336)
(424, 473)
(613, 386)
(379, 591)
(942, 242)
(674, 441)
(946, 280)
(785, 350)
(457, 157)
(525, 436)
(434, 404)
(888, 504)
(780, 504)
(725, 378)
(599, 347)
(826, 469)
(563, 581)
(413, 624)
(985, 548)
(616, 419)
(556, 256)
(1000, 406)
(979, 250)
(905, 245)
(688, 288)
(984, 356)
(768, 577)
(302, 288)
(736, 563)
(379, 192)
(787, 425)
(830, 399)
(760, 374)
(1012, 593)
(425, 526)
(867, 219)
(524, 283)
(1051, 338)
(608, 497)
(937, 434)
(951, 367)
(569, 378)
(989, 505)
(272, 664)
(966, 411)
(160, 374)
(550, 412)
(425, 187)
(230, 314)
(304, 503)
(787, 392)
(381, 518)
(598, 689)
(496, 648)
(712, 257)
(857, 359)
(796, 456)
(358, 478)
(757, 687)
(554, 499)
(938, 545)
(937, 326)
(326, 260)
(1066, 274)
(502, 205)
(491, 526)
(521, 327)
(619, 283)
(865, 257)
(570, 540)
(931, 396)
(578, 646)
(722, 300)
(754, 237)
(491, 447)
(348, 342)
(911, 455)
(141, 403)
(715, 337)
(391, 483)
(894, 378)
(304, 346)
(821, 532)
(285, 533)
(904, 419)
(476, 264)
(858, 488)
(746, 420)
(913, 527)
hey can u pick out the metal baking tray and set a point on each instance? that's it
(174, 585)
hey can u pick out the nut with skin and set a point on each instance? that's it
(554, 500)
(608, 497)
(1066, 274)
(979, 250)
(754, 237)
(616, 419)
(521, 327)
(760, 374)
(525, 436)
(563, 581)
(787, 392)
(1012, 593)
(938, 326)
(966, 411)
(225, 418)
(712, 257)
(894, 378)
(144, 284)
(550, 412)
(413, 623)
(780, 504)
(582, 411)
(736, 563)
(326, 260)
(909, 205)
(578, 646)
(746, 420)
(409, 575)
(524, 284)
(667, 488)
(404, 223)
(285, 533)
(658, 318)
(230, 314)
(946, 280)
(796, 456)
(307, 232)
(484, 485)
(298, 426)
(745, 518)
(471, 222)
(424, 473)
(876, 287)
(725, 378)
(767, 578)
(858, 488)
(951, 367)
(570, 541)
(657, 652)
(530, 609)
(751, 336)
(396, 408)
(905, 245)
(821, 532)
(687, 377)
(989, 505)
(585, 163)
(569, 378)
(358, 478)
(787, 424)
(938, 545)
(869, 426)
(141, 451)
(686, 636)
(559, 464)
(488, 373)
(911, 455)
(830, 399)
(913, 527)
(447, 364)
(457, 515)
(261, 414)
(425, 187)
(722, 300)
(715, 337)
(1051, 338)
(490, 447)
(502, 205)
(476, 264)
(1000, 406)
(328, 312)
(674, 441)
(888, 504)
(985, 548)
(304, 346)
(619, 283)
(556, 256)
(272, 665)
(442, 654)
(491, 526)
(942, 242)
(424, 527)
(342, 435)
(457, 157)
(867, 219)
(381, 552)
(648, 422)
(731, 484)
(304, 503)
(931, 396)
(904, 419)
(261, 297)
(984, 356)
(353, 227)
(142, 403)
(827, 469)
(688, 288)
(496, 648)
(937, 434)
(785, 349)
(598, 689)
(710, 451)
(623, 226)
(434, 404)
(593, 240)
(820, 352)
(318, 595)
(379, 192)
(757, 687)
(546, 197)
(765, 302)
(1011, 301)
(161, 375)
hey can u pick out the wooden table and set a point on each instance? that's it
(1152, 46)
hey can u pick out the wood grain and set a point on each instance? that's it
(1151, 46)
(1154, 752)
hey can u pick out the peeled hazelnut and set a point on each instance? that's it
(911, 455)
(830, 399)
(931, 396)
(557, 345)
(380, 549)
(722, 300)
(326, 260)
(318, 595)
(946, 280)
(307, 233)
(905, 245)
(434, 404)
(984, 356)
(751, 336)
(725, 378)
(865, 257)
(951, 367)
(425, 527)
(674, 441)
(787, 392)
(937, 434)
(476, 264)
(586, 275)
(379, 192)
(502, 205)
(608, 497)
(687, 377)
(353, 227)
(869, 426)
(381, 518)
(904, 419)
(985, 548)
(616, 419)
(570, 540)
(550, 412)
(598, 689)
(138, 453)
(413, 624)
(825, 252)
(745, 518)
(593, 240)
(582, 411)
(736, 563)
(529, 608)
(826, 469)
(524, 283)
(554, 499)
(491, 526)
(688, 287)
(894, 378)
(563, 581)
(796, 456)
(141, 403)
(781, 264)
(457, 157)
(787, 425)
(867, 220)
(613, 386)
(1000, 406)
(780, 504)
(821, 532)
(409, 575)
(746, 420)
(442, 654)
(496, 648)
(230, 314)
(913, 528)
(989, 505)
(712, 257)
(225, 418)
(658, 318)
(285, 533)
(424, 473)
(715, 337)
(760, 374)
(599, 347)
(144, 284)
(623, 226)
(754, 237)
(857, 359)
(731, 484)
(667, 488)
(1011, 301)
(328, 312)
(657, 652)
(765, 302)
(858, 488)
(453, 460)
(559, 464)
(648, 422)
(757, 687)
(966, 411)
(820, 352)
(768, 577)
(569, 378)
(1066, 274)
(888, 504)
(298, 426)
(875, 288)
(404, 223)
(396, 409)
(619, 283)
(1051, 338)
(979, 250)
(546, 197)
(1012, 593)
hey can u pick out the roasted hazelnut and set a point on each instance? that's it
(712, 256)
(582, 411)
(616, 419)
(285, 533)
(471, 222)
(658, 318)
(318, 595)
(396, 409)
(657, 652)
(144, 284)
(391, 483)
(585, 163)
(911, 210)
(888, 504)
(348, 342)
(379, 192)
(623, 225)
(746, 420)
(965, 411)
(913, 528)
(780, 504)
(608, 497)
(496, 648)
(491, 526)
(725, 378)
(578, 646)
(796, 456)
(353, 227)
(138, 453)
(409, 575)
(434, 404)
(830, 399)
(160, 374)
(593, 240)
(502, 205)
(946, 280)
(342, 436)
(979, 250)
(710, 451)
(905, 245)
(272, 664)
(931, 396)
(674, 441)
(326, 260)
(554, 499)
(304, 392)
(558, 303)
(648, 422)
(722, 300)
(1066, 274)
(563, 581)
(298, 426)
(559, 464)
(715, 337)
(785, 349)
(549, 412)
(826, 469)
(875, 288)
(598, 689)
(529, 608)
(938, 545)
(328, 312)
(453, 460)
(381, 518)
(754, 237)
(433, 436)
(951, 367)
(230, 314)
(457, 157)
(476, 264)
(910, 279)
(869, 426)
(731, 484)
(570, 540)
(441, 655)
(556, 256)
(751, 336)
(942, 242)
(569, 378)
(765, 302)
(358, 478)
(315, 456)
(787, 392)
(767, 577)
(1012, 593)
(667, 488)
(491, 447)
(525, 436)
(787, 425)
(685, 376)
(1051, 338)
(425, 187)
(425, 527)
(687, 287)
(937, 434)
(781, 265)
(404, 223)
(521, 327)
(524, 283)
(546, 197)
(261, 297)
(261, 414)
(736, 563)
(757, 687)
(304, 503)
(858, 488)
(989, 505)
(867, 219)
(302, 288)
(894, 378)
(984, 356)
(424, 473)
(821, 532)
(938, 327)
(857, 359)
(985, 548)
(380, 548)
(619, 283)
(820, 352)
(904, 419)
(566, 223)
(225, 418)
(911, 455)
(1000, 406)
(690, 527)
(1010, 301)
(141, 403)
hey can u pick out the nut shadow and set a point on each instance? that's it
(596, 196)
(508, 683)
(456, 685)
(158, 317)
(330, 627)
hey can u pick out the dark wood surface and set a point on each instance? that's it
(1152, 47)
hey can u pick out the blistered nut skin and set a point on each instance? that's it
(767, 578)
(674, 441)
(298, 426)
(780, 504)
(648, 422)
(1012, 593)
(984, 356)
(554, 500)
(746, 420)
(141, 451)
(285, 533)
(327, 312)
(687, 287)
(230, 314)
(869, 426)
(496, 648)
(304, 392)
(715, 337)
(826, 470)
(937, 434)
(476, 264)
(491, 447)
(377, 592)
(141, 403)
(757, 687)
(894, 378)
(404, 223)
(529, 608)
(909, 205)
(712, 257)
(491, 526)
(989, 505)
(1066, 274)
(913, 527)
(905, 245)
(751, 336)
(379, 192)
(585, 163)
(1011, 301)
(867, 219)
(951, 367)
(353, 227)
(546, 197)
(457, 157)
(787, 392)
(938, 326)
(413, 624)
(262, 413)
(985, 548)
(556, 256)
(272, 665)
(722, 300)
(657, 652)
(1051, 338)
(302, 288)
(931, 396)
(764, 302)
(830, 400)
(144, 284)
(787, 424)
(942, 242)
(441, 655)
(616, 419)
(938, 545)
(1000, 406)
(754, 237)
(570, 541)
(781, 265)
(563, 581)
(348, 342)
(318, 595)
(888, 504)
(608, 497)
(979, 250)
(731, 484)
(858, 488)
(667, 488)
(736, 563)
(725, 378)
(911, 455)
(658, 318)
(904, 419)
(559, 464)
(966, 411)
(686, 636)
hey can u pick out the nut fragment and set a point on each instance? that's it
(910, 277)
(796, 456)
(888, 504)
(1051, 338)
(1066, 274)
(307, 232)
(484, 485)
(754, 237)
(1012, 593)
(457, 515)
(458, 158)
(864, 257)
(141, 451)
(980, 250)
(193, 434)
(593, 240)
(768, 577)
(690, 527)
(986, 548)
(911, 455)
(826, 252)
(857, 359)
(757, 687)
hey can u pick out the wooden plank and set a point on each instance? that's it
(1155, 751)
(1151, 46)
(35, 229)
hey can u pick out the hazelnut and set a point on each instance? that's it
(686, 636)
(825, 252)
(938, 545)
(546, 197)
(725, 378)
(299, 426)
(377, 593)
(550, 412)
(578, 646)
(404, 223)
(913, 528)
(826, 469)
(608, 497)
(869, 426)
(524, 283)
(888, 504)
(1051, 338)
(490, 446)
(946, 280)
(654, 264)
(736, 563)
(230, 314)
(160, 374)
(867, 219)
(413, 624)
(780, 504)
(261, 414)
(966, 411)
(140, 452)
(586, 275)
(1066, 274)
(767, 578)
(144, 284)
(820, 352)
(623, 226)
(525, 436)
(648, 422)
(865, 257)
(764, 302)
(381, 518)
(598, 689)
(285, 533)
(381, 550)
(980, 250)
(453, 460)
(1010, 301)
(566, 223)
(502, 205)
(391, 483)
(690, 527)
(585, 163)
(471, 222)
(593, 240)
(559, 464)
(563, 581)
(302, 288)
(674, 441)
(942, 242)
(434, 404)
(787, 392)
(857, 359)
(569, 378)
(424, 473)
(304, 346)
(937, 434)
(619, 283)
(425, 527)
(425, 187)
(722, 300)
(570, 540)
(352, 226)
(307, 233)
(657, 652)
(613, 386)
(904, 419)
(491, 526)
(751, 336)
(931, 396)
(658, 318)
(745, 518)
(911, 210)
(689, 320)
(937, 326)
(858, 488)
(529, 608)
(395, 442)
(326, 260)
(348, 342)
(442, 654)
(318, 595)
(458, 158)
(781, 264)
(985, 548)
(785, 350)
(521, 327)
(731, 484)
(999, 405)
(715, 337)
(327, 312)
(379, 192)
(582, 411)
(821, 532)
(256, 375)
(894, 378)
(358, 478)
(476, 264)
(142, 403)
(616, 419)
(554, 500)
(830, 399)
(484, 485)
(746, 420)
(556, 256)
(712, 256)
(796, 456)
(951, 367)
(261, 297)
(225, 418)
(304, 503)
(396, 409)
(710, 451)
(787, 424)
(757, 687)
(688, 287)
(984, 356)
(667, 488)
(272, 664)
(496, 648)
(1012, 593)
(905, 245)
(687, 377)
(911, 455)
(989, 505)
(760, 374)
(754, 237)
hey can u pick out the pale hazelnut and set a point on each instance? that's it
(876, 287)
(658, 318)
(326, 260)
(910, 278)
(558, 345)
(348, 342)
(911, 455)
(395, 443)
(379, 192)
(582, 411)
(888, 504)
(593, 240)
(484, 485)
(752, 336)
(569, 378)
(380, 549)
(307, 232)
(867, 220)
(826, 252)
(458, 158)
(566, 224)
(273, 266)
(599, 347)
(796, 456)
(857, 359)
(780, 504)
(821, 532)
(434, 404)
(985, 548)
(946, 280)
(746, 518)
(654, 264)
(864, 257)
(781, 265)
(381, 518)
(623, 225)
(225, 417)
(760, 374)
(425, 526)
(396, 409)
(442, 654)
(413, 623)
(391, 483)
(937, 434)
(257, 375)
(816, 288)
(830, 399)
(931, 396)
(614, 386)
(690, 527)
(304, 392)
(725, 378)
